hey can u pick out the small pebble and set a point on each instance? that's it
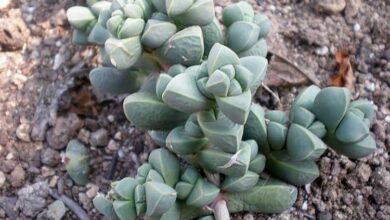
(92, 191)
(112, 145)
(99, 138)
(248, 217)
(22, 132)
(4, 3)
(111, 118)
(356, 27)
(2, 179)
(9, 156)
(56, 210)
(304, 206)
(322, 51)
(387, 119)
(18, 176)
(53, 181)
(118, 136)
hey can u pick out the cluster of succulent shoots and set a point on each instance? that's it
(191, 86)
(165, 189)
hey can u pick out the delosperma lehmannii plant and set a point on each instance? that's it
(191, 85)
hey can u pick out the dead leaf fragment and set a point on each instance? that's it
(344, 77)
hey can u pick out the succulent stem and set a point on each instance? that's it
(221, 211)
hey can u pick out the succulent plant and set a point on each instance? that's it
(165, 189)
(318, 118)
(191, 85)
(76, 162)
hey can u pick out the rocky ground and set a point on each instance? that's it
(46, 101)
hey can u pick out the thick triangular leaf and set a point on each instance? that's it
(100, 6)
(142, 172)
(182, 144)
(219, 56)
(133, 11)
(258, 67)
(240, 184)
(183, 94)
(177, 7)
(236, 108)
(125, 210)
(298, 173)
(303, 117)
(146, 7)
(79, 37)
(80, 17)
(200, 13)
(330, 106)
(229, 164)
(111, 80)
(257, 164)
(162, 83)
(157, 32)
(318, 128)
(302, 144)
(159, 198)
(131, 27)
(305, 99)
(125, 188)
(277, 134)
(166, 164)
(277, 116)
(243, 76)
(366, 107)
(221, 132)
(259, 49)
(356, 150)
(124, 53)
(268, 196)
(212, 34)
(191, 128)
(202, 194)
(104, 206)
(140, 199)
(146, 111)
(218, 84)
(98, 35)
(240, 42)
(241, 11)
(352, 129)
(255, 127)
(264, 24)
(185, 47)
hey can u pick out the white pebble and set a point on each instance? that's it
(304, 206)
(387, 119)
(322, 51)
(356, 27)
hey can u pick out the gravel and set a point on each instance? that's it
(56, 210)
(32, 198)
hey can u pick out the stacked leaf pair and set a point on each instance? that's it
(240, 18)
(317, 117)
(224, 81)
